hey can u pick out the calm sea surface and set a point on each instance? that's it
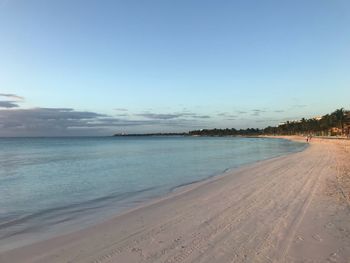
(52, 185)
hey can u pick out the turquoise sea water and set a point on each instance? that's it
(48, 185)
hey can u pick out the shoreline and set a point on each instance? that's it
(127, 226)
(24, 238)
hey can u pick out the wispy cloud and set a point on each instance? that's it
(8, 104)
(58, 121)
(122, 114)
(11, 96)
(201, 116)
(159, 116)
(67, 121)
(227, 115)
(11, 100)
(297, 103)
(60, 117)
(257, 112)
(267, 120)
(17, 121)
(170, 116)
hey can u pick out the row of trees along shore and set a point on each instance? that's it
(336, 123)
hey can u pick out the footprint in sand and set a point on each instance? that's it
(329, 225)
(333, 257)
(299, 239)
(317, 238)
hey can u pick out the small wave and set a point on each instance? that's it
(61, 214)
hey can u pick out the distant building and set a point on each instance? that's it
(335, 131)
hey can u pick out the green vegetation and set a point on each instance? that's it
(336, 123)
(226, 132)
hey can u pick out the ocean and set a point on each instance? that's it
(51, 186)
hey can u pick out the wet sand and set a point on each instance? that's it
(294, 208)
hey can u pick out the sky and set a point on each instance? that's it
(84, 67)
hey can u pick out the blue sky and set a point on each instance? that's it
(99, 67)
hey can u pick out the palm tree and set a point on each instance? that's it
(339, 116)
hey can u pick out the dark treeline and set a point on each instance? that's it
(336, 123)
(226, 132)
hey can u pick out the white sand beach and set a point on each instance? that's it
(293, 208)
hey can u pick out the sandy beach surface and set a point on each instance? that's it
(293, 208)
